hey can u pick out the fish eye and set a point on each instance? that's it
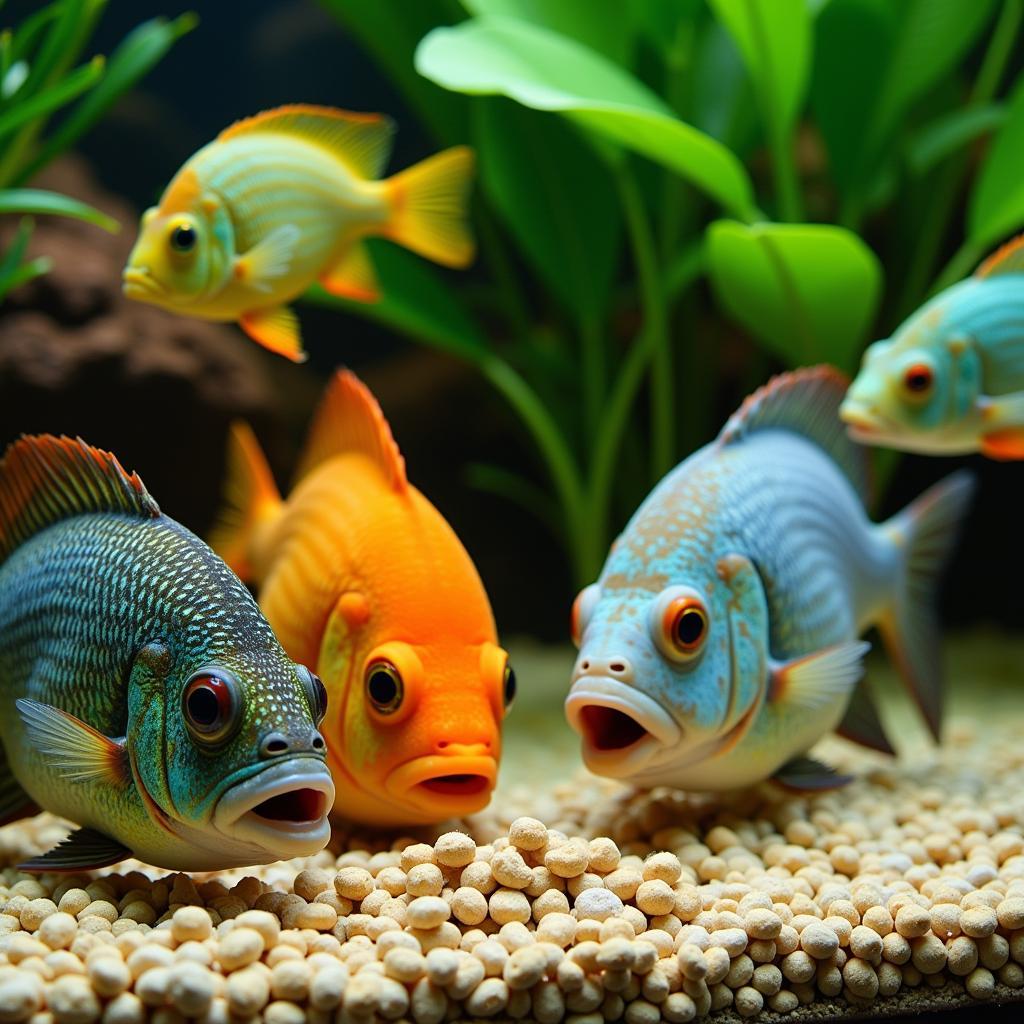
(211, 703)
(680, 624)
(183, 238)
(582, 609)
(918, 379)
(384, 687)
(316, 693)
(509, 685)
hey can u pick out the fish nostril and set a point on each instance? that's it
(441, 744)
(585, 665)
(617, 666)
(318, 742)
(274, 744)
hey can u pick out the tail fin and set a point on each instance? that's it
(428, 207)
(925, 532)
(251, 499)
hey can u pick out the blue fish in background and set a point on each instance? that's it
(951, 379)
(721, 640)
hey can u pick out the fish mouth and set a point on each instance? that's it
(448, 784)
(139, 283)
(622, 729)
(862, 422)
(283, 809)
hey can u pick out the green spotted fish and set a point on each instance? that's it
(142, 693)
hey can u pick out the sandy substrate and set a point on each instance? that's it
(582, 900)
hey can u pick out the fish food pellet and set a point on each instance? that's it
(454, 849)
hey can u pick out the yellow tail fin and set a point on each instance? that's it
(251, 500)
(428, 207)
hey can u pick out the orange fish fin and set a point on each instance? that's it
(269, 259)
(350, 420)
(360, 141)
(275, 328)
(1005, 445)
(429, 207)
(46, 479)
(182, 193)
(77, 750)
(251, 500)
(1007, 259)
(819, 678)
(353, 276)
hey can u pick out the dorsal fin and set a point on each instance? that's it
(1007, 259)
(349, 420)
(361, 141)
(46, 479)
(804, 401)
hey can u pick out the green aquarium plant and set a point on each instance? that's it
(50, 97)
(655, 174)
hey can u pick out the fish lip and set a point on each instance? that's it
(235, 815)
(411, 781)
(860, 419)
(662, 730)
(137, 282)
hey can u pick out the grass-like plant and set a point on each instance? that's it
(783, 150)
(41, 76)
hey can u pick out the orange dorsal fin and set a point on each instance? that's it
(806, 402)
(183, 192)
(1007, 259)
(46, 479)
(360, 141)
(350, 420)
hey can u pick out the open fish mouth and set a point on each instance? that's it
(622, 729)
(457, 784)
(283, 809)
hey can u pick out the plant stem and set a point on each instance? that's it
(595, 369)
(655, 327)
(786, 183)
(512, 299)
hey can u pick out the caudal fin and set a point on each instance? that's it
(251, 499)
(429, 207)
(925, 533)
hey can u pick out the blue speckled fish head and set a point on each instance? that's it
(673, 650)
(224, 741)
(917, 389)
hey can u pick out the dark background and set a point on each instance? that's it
(243, 58)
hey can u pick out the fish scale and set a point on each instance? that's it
(107, 610)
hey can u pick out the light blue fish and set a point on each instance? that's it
(951, 378)
(721, 640)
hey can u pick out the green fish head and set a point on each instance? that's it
(226, 750)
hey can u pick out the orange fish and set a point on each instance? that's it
(359, 575)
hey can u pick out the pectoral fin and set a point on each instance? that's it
(818, 679)
(353, 276)
(75, 749)
(83, 850)
(1004, 445)
(270, 259)
(277, 329)
(805, 773)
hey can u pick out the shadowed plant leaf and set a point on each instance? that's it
(544, 70)
(38, 201)
(951, 132)
(808, 291)
(996, 206)
(414, 300)
(774, 37)
(555, 199)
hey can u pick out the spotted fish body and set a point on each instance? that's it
(951, 378)
(761, 540)
(107, 610)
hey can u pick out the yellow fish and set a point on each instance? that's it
(284, 199)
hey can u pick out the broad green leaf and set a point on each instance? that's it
(808, 291)
(556, 199)
(774, 37)
(541, 69)
(414, 300)
(996, 206)
(389, 31)
(139, 51)
(46, 101)
(37, 201)
(931, 38)
(722, 94)
(952, 132)
(853, 40)
(603, 25)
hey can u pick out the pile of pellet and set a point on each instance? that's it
(647, 907)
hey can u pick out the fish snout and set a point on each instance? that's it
(614, 667)
(277, 744)
(479, 749)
